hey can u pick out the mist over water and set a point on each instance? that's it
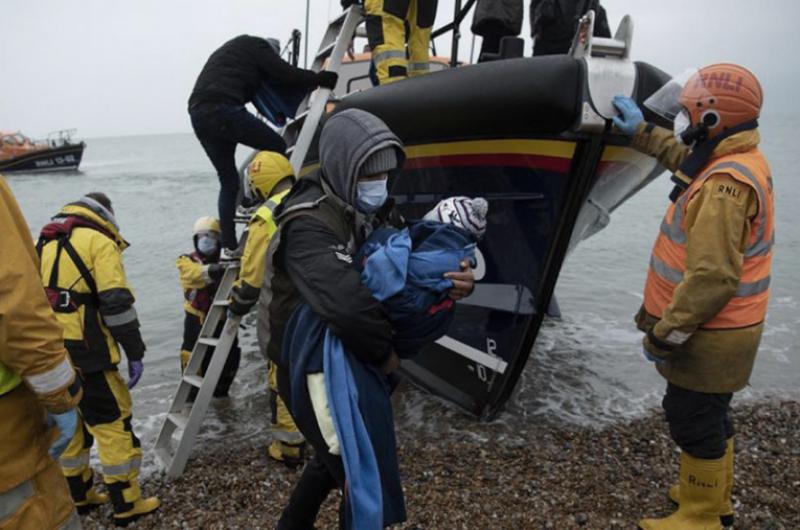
(586, 368)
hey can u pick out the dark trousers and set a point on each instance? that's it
(699, 423)
(321, 475)
(191, 332)
(220, 127)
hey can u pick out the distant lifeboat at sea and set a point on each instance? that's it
(56, 153)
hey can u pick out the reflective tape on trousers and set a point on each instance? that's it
(123, 469)
(120, 318)
(419, 67)
(78, 461)
(12, 500)
(54, 379)
(387, 55)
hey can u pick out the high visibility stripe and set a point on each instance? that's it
(54, 379)
(665, 271)
(13, 499)
(419, 67)
(123, 469)
(119, 319)
(73, 523)
(292, 438)
(78, 461)
(387, 55)
(672, 229)
(753, 288)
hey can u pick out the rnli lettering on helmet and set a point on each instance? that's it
(723, 81)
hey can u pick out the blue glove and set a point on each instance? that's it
(652, 358)
(631, 115)
(135, 370)
(66, 422)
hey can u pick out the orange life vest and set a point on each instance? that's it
(748, 306)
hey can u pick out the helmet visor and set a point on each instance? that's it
(666, 101)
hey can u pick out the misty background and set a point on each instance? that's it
(128, 67)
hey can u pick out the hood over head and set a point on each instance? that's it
(348, 139)
(91, 210)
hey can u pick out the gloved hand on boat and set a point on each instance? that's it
(631, 115)
(656, 350)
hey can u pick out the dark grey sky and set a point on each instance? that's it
(128, 66)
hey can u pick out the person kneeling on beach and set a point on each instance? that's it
(81, 267)
(322, 223)
(707, 288)
(200, 275)
(270, 176)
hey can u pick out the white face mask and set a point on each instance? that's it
(680, 125)
(207, 245)
(371, 194)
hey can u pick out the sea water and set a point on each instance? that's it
(586, 367)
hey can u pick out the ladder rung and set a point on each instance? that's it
(180, 420)
(326, 51)
(194, 380)
(208, 341)
(221, 303)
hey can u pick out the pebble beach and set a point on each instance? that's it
(561, 477)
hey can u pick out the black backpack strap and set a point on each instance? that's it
(53, 282)
(81, 266)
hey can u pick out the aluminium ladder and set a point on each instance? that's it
(185, 416)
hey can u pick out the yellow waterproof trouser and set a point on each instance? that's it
(386, 32)
(106, 419)
(41, 502)
(283, 427)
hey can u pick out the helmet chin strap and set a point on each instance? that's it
(702, 150)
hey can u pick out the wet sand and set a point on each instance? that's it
(560, 478)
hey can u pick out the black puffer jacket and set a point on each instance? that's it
(237, 69)
(503, 17)
(554, 23)
(311, 255)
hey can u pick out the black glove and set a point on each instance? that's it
(327, 79)
(348, 3)
(215, 271)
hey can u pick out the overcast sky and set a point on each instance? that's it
(124, 67)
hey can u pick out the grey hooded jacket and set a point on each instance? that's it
(311, 255)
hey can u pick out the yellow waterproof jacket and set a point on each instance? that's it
(251, 275)
(717, 229)
(198, 287)
(96, 323)
(35, 371)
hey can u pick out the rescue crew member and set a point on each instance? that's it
(322, 222)
(36, 381)
(707, 287)
(227, 82)
(81, 253)
(200, 274)
(386, 33)
(270, 176)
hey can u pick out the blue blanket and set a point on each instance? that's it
(404, 269)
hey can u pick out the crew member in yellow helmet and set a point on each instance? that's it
(270, 177)
(85, 282)
(37, 381)
(200, 274)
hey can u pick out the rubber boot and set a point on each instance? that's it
(702, 486)
(93, 500)
(291, 455)
(128, 502)
(726, 513)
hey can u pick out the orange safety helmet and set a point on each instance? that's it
(722, 96)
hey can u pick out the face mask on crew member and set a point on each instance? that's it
(371, 194)
(681, 125)
(207, 245)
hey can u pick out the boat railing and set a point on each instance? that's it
(60, 138)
